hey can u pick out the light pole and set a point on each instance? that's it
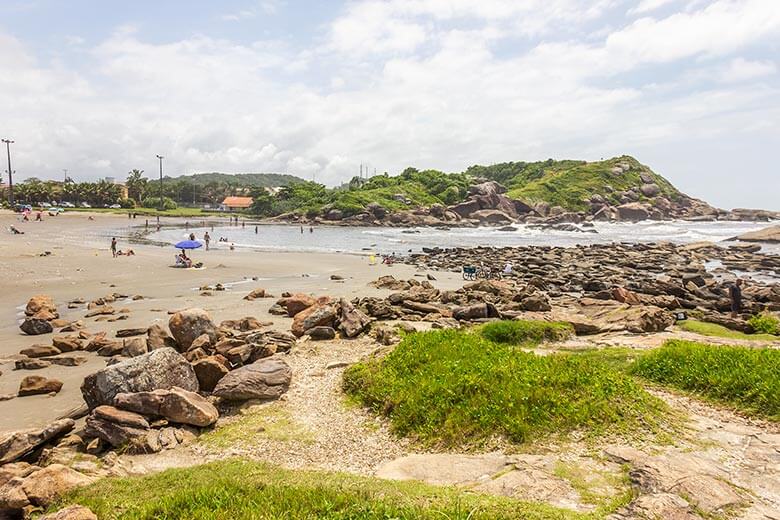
(8, 143)
(162, 206)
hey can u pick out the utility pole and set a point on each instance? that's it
(8, 143)
(65, 171)
(162, 206)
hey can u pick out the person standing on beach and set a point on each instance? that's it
(207, 239)
(113, 247)
(735, 294)
(255, 230)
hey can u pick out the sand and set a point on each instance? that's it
(81, 266)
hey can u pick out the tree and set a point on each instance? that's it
(136, 184)
(262, 202)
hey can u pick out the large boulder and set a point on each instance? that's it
(351, 321)
(162, 368)
(315, 316)
(44, 486)
(267, 378)
(116, 427)
(36, 326)
(491, 217)
(296, 303)
(650, 190)
(770, 235)
(15, 445)
(177, 405)
(475, 312)
(188, 324)
(633, 211)
(487, 188)
(465, 208)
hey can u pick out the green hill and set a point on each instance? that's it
(243, 180)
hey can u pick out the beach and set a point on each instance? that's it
(80, 265)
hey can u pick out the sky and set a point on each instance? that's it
(690, 88)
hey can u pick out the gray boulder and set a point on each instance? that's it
(188, 324)
(176, 405)
(267, 378)
(35, 326)
(162, 368)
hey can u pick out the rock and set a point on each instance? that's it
(188, 324)
(38, 303)
(491, 217)
(70, 360)
(16, 445)
(12, 497)
(209, 371)
(158, 337)
(650, 190)
(67, 343)
(315, 316)
(633, 211)
(31, 364)
(277, 310)
(162, 368)
(376, 210)
(127, 333)
(267, 378)
(115, 415)
(46, 485)
(351, 321)
(536, 303)
(35, 326)
(177, 405)
(133, 347)
(256, 294)
(334, 214)
(116, 427)
(475, 312)
(34, 385)
(443, 468)
(203, 342)
(390, 282)
(387, 335)
(322, 333)
(37, 351)
(71, 513)
(297, 303)
(769, 235)
(111, 348)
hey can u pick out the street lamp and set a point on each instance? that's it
(162, 206)
(8, 143)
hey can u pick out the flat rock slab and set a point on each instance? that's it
(444, 468)
(537, 486)
(17, 444)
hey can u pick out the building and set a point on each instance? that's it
(235, 203)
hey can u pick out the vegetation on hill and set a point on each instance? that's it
(239, 489)
(743, 377)
(453, 387)
(719, 331)
(240, 180)
(570, 184)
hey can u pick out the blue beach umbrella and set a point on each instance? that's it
(188, 244)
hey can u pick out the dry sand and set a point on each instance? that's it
(81, 266)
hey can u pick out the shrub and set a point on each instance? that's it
(453, 387)
(743, 377)
(765, 323)
(127, 203)
(154, 202)
(522, 331)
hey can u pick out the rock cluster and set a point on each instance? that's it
(322, 317)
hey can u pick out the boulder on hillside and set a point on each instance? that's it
(315, 316)
(633, 211)
(162, 368)
(487, 188)
(491, 217)
(36, 326)
(465, 209)
(188, 324)
(267, 378)
(650, 190)
(15, 445)
(176, 404)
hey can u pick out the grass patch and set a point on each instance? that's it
(606, 490)
(519, 332)
(238, 489)
(719, 331)
(458, 388)
(269, 421)
(746, 378)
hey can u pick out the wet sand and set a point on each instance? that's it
(81, 266)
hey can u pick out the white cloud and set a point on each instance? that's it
(646, 6)
(428, 83)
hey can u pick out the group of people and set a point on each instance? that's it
(118, 252)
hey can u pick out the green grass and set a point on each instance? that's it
(455, 388)
(719, 331)
(236, 489)
(765, 323)
(742, 377)
(518, 332)
(269, 421)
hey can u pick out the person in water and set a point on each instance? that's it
(192, 236)
(207, 239)
(113, 247)
(735, 295)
